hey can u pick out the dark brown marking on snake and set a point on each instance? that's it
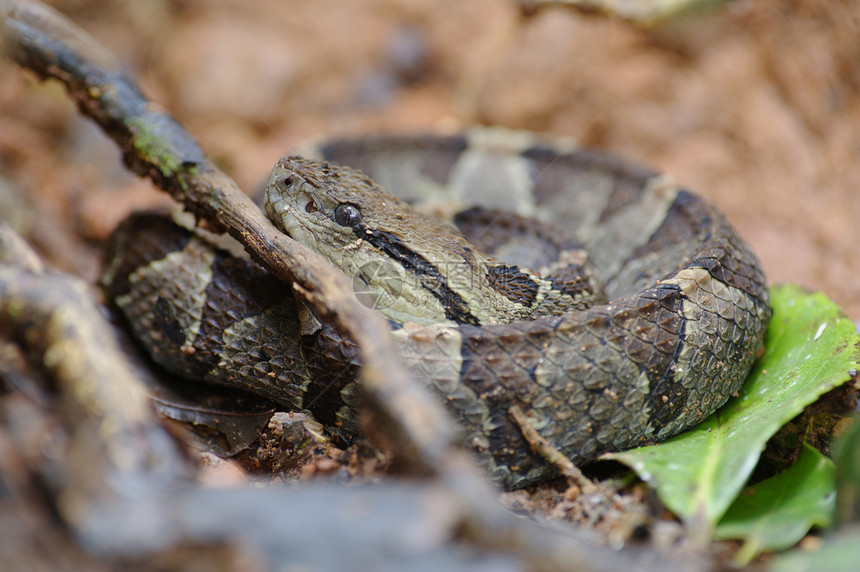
(238, 289)
(550, 174)
(332, 364)
(488, 229)
(690, 220)
(513, 284)
(501, 371)
(439, 162)
(573, 280)
(166, 321)
(455, 307)
(515, 239)
(131, 251)
(625, 192)
(680, 226)
(664, 307)
(720, 257)
(246, 289)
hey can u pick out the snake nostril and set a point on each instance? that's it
(310, 207)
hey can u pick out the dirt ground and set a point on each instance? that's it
(755, 106)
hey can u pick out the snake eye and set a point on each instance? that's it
(347, 215)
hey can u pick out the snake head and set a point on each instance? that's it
(305, 199)
(343, 215)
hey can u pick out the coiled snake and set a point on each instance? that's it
(644, 313)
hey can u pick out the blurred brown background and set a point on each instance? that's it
(755, 105)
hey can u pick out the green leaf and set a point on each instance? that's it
(776, 513)
(847, 458)
(811, 347)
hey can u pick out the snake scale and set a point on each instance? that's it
(610, 306)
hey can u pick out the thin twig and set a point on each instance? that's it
(549, 453)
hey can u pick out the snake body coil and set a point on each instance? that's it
(644, 313)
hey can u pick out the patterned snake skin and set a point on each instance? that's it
(686, 313)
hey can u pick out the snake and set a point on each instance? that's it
(610, 306)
